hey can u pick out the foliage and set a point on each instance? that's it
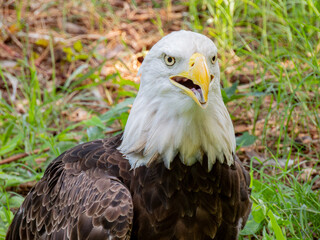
(274, 44)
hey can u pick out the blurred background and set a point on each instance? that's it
(68, 75)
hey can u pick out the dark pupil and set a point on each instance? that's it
(169, 59)
(214, 58)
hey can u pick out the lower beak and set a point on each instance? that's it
(195, 82)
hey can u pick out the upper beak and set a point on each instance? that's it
(195, 82)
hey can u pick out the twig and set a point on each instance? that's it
(21, 155)
(43, 55)
(13, 37)
(8, 49)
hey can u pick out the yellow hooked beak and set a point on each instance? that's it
(195, 82)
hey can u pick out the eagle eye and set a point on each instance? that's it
(213, 59)
(169, 60)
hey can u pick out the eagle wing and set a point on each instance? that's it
(77, 198)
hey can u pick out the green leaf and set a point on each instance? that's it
(15, 201)
(66, 136)
(5, 214)
(7, 133)
(124, 82)
(123, 119)
(258, 214)
(259, 186)
(94, 121)
(245, 140)
(95, 133)
(251, 227)
(265, 235)
(230, 91)
(117, 110)
(275, 226)
(11, 145)
(127, 94)
(229, 94)
(9, 180)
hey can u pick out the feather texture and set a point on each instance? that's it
(78, 198)
(89, 192)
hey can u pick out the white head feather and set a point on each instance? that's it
(164, 121)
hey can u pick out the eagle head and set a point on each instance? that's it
(179, 108)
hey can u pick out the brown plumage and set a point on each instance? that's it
(89, 192)
(173, 173)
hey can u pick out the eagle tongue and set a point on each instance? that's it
(199, 94)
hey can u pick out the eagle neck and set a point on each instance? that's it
(157, 130)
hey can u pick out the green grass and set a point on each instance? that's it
(294, 205)
(277, 43)
(270, 33)
(42, 126)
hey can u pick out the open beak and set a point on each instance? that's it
(195, 82)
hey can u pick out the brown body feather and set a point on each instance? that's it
(89, 192)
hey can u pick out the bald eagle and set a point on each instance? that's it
(172, 174)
